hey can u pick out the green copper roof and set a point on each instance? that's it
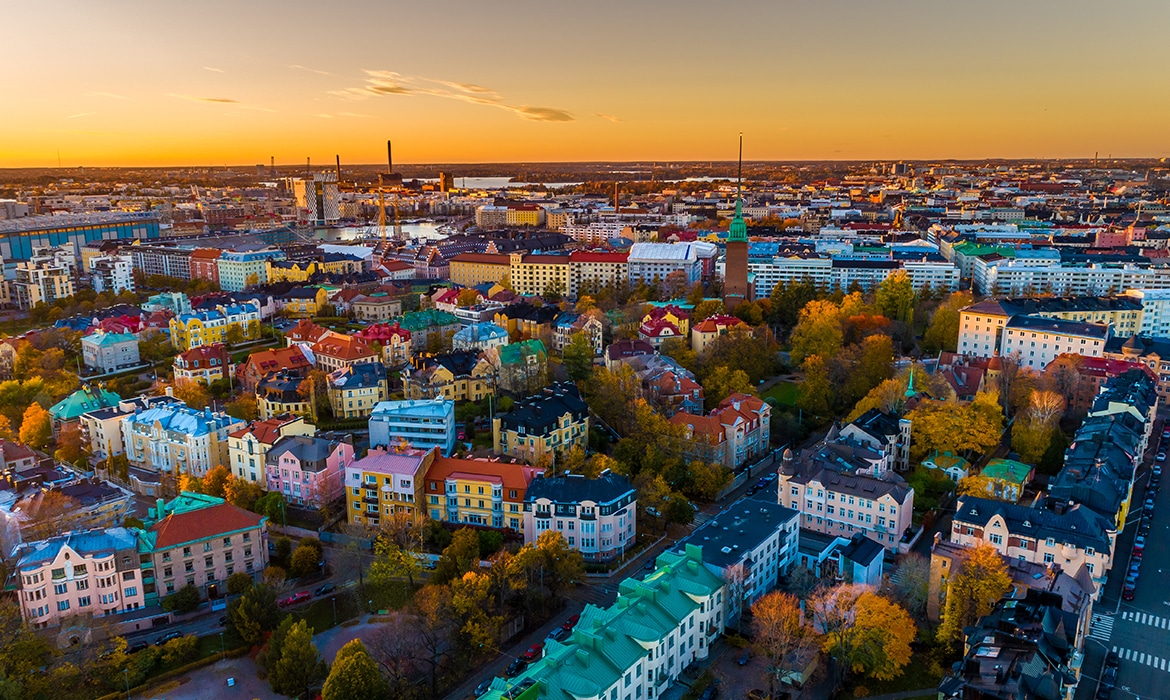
(87, 398)
(738, 230)
(516, 353)
(945, 460)
(1007, 470)
(428, 318)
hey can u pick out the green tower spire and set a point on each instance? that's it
(910, 393)
(738, 230)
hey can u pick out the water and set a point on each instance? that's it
(497, 183)
(424, 230)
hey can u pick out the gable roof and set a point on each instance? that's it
(202, 523)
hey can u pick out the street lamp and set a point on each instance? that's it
(222, 648)
(126, 674)
(334, 601)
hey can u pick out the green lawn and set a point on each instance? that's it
(783, 393)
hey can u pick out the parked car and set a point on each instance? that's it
(515, 668)
(1109, 676)
(1139, 542)
(1161, 457)
(1157, 470)
(571, 622)
(325, 589)
(654, 511)
(649, 565)
(534, 651)
(294, 599)
(1112, 660)
(757, 694)
(1127, 592)
(744, 658)
(710, 693)
(174, 634)
(483, 688)
(560, 634)
(137, 647)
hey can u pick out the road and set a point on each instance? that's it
(1138, 630)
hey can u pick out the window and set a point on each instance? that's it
(61, 588)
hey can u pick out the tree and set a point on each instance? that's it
(184, 600)
(818, 332)
(303, 561)
(354, 675)
(234, 336)
(254, 613)
(243, 407)
(895, 297)
(972, 429)
(36, 427)
(788, 300)
(695, 297)
(272, 504)
(299, 666)
(181, 650)
(192, 393)
(706, 309)
(6, 432)
(609, 395)
(676, 284)
(816, 392)
(242, 493)
(554, 291)
(979, 580)
(239, 583)
(470, 602)
(782, 635)
(863, 631)
(467, 297)
(911, 584)
(943, 331)
(708, 480)
(723, 382)
(679, 350)
(50, 513)
(72, 448)
(459, 557)
(215, 481)
(578, 357)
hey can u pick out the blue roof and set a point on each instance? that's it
(107, 339)
(183, 419)
(480, 332)
(36, 554)
(431, 408)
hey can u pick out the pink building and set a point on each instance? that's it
(309, 470)
(94, 573)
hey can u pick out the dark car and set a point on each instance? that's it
(1127, 592)
(534, 651)
(1112, 660)
(649, 566)
(1109, 676)
(325, 590)
(1104, 692)
(168, 637)
(137, 647)
(710, 693)
(744, 658)
(222, 620)
(482, 688)
(516, 668)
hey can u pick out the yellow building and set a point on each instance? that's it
(248, 447)
(303, 302)
(459, 376)
(339, 264)
(355, 390)
(537, 274)
(524, 215)
(543, 425)
(478, 492)
(473, 269)
(201, 328)
(385, 482)
(291, 270)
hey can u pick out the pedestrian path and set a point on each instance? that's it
(1142, 657)
(1142, 618)
(1101, 628)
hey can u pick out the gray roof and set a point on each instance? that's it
(742, 526)
(1057, 325)
(575, 488)
(1078, 525)
(862, 550)
(36, 554)
(312, 451)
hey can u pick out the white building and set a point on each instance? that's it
(318, 200)
(109, 351)
(1155, 311)
(176, 439)
(1010, 276)
(597, 517)
(1039, 341)
(648, 262)
(111, 273)
(423, 423)
(596, 232)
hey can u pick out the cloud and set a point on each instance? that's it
(296, 66)
(325, 116)
(195, 98)
(380, 83)
(355, 115)
(111, 95)
(608, 117)
(79, 115)
(213, 70)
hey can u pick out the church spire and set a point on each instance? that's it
(738, 230)
(910, 393)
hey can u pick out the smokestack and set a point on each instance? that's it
(389, 159)
(308, 166)
(272, 163)
(338, 170)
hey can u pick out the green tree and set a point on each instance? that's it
(787, 301)
(895, 297)
(943, 331)
(299, 667)
(181, 650)
(578, 357)
(254, 613)
(239, 583)
(242, 493)
(706, 309)
(708, 480)
(972, 591)
(184, 600)
(723, 382)
(459, 557)
(816, 392)
(243, 407)
(354, 675)
(303, 561)
(818, 332)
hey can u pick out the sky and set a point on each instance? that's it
(162, 82)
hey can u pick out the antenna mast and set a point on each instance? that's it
(739, 172)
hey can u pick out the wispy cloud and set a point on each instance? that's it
(325, 116)
(355, 115)
(213, 70)
(79, 115)
(382, 82)
(296, 66)
(111, 95)
(196, 98)
(608, 117)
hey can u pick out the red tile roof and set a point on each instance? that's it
(343, 347)
(513, 476)
(266, 431)
(176, 529)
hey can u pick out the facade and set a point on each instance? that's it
(1007, 478)
(160, 259)
(262, 363)
(1155, 316)
(78, 574)
(21, 236)
(395, 341)
(200, 328)
(336, 351)
(204, 364)
(597, 517)
(102, 426)
(537, 275)
(479, 337)
(735, 433)
(89, 397)
(318, 199)
(423, 324)
(109, 352)
(248, 447)
(650, 262)
(385, 482)
(204, 264)
(474, 269)
(375, 307)
(479, 492)
(355, 390)
(736, 282)
(423, 423)
(706, 332)
(303, 302)
(590, 272)
(171, 302)
(280, 393)
(523, 366)
(43, 278)
(111, 273)
(569, 324)
(176, 439)
(982, 325)
(542, 425)
(462, 375)
(885, 433)
(308, 470)
(1039, 341)
(1016, 276)
(240, 270)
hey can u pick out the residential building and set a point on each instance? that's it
(639, 646)
(111, 273)
(706, 332)
(568, 324)
(624, 350)
(482, 492)
(163, 259)
(885, 433)
(42, 279)
(385, 482)
(1151, 353)
(239, 270)
(597, 517)
(460, 376)
(981, 325)
(479, 336)
(200, 328)
(290, 270)
(952, 466)
(1006, 478)
(525, 319)
(307, 469)
(537, 275)
(994, 275)
(176, 439)
(1039, 341)
(172, 302)
(423, 324)
(591, 272)
(102, 427)
(474, 269)
(421, 423)
(657, 332)
(280, 393)
(375, 307)
(199, 540)
(523, 366)
(204, 264)
(542, 425)
(750, 545)
(248, 447)
(80, 575)
(336, 351)
(735, 433)
(262, 363)
(89, 397)
(204, 364)
(395, 341)
(524, 215)
(356, 389)
(109, 352)
(302, 302)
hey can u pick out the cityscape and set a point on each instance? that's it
(359, 370)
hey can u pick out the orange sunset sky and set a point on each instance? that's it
(122, 82)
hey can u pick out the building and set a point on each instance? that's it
(982, 325)
(1155, 316)
(308, 470)
(597, 517)
(88, 398)
(462, 375)
(1006, 478)
(524, 215)
(356, 389)
(542, 425)
(375, 307)
(318, 199)
(336, 351)
(478, 337)
(204, 264)
(625, 350)
(204, 364)
(422, 423)
(523, 366)
(653, 262)
(302, 302)
(200, 328)
(736, 281)
(248, 447)
(395, 341)
(952, 466)
(474, 269)
(262, 363)
(750, 545)
(162, 259)
(482, 492)
(239, 270)
(171, 302)
(885, 433)
(109, 352)
(78, 575)
(43, 278)
(1038, 341)
(994, 275)
(102, 427)
(422, 325)
(385, 482)
(280, 393)
(20, 237)
(538, 275)
(569, 324)
(175, 439)
(198, 540)
(591, 272)
(1078, 537)
(706, 332)
(639, 646)
(735, 433)
(111, 273)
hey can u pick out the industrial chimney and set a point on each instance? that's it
(389, 159)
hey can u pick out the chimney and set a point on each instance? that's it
(389, 159)
(171, 391)
(338, 157)
(159, 506)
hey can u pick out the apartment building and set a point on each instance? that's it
(239, 270)
(248, 447)
(1155, 316)
(474, 269)
(537, 275)
(885, 433)
(395, 341)
(568, 324)
(1014, 276)
(356, 389)
(706, 332)
(590, 271)
(200, 328)
(111, 273)
(176, 439)
(481, 492)
(386, 482)
(78, 575)
(375, 307)
(463, 375)
(479, 336)
(421, 423)
(43, 279)
(650, 262)
(204, 264)
(423, 324)
(336, 351)
(981, 324)
(204, 364)
(101, 425)
(160, 259)
(280, 393)
(108, 352)
(262, 363)
(302, 302)
(308, 470)
(735, 433)
(597, 517)
(1038, 341)
(199, 540)
(542, 425)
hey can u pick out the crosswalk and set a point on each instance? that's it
(1142, 657)
(1142, 618)
(1101, 628)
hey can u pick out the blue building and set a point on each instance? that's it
(18, 237)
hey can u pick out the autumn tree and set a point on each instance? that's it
(705, 309)
(943, 331)
(254, 613)
(816, 392)
(72, 447)
(470, 603)
(818, 332)
(192, 393)
(911, 584)
(723, 382)
(467, 297)
(973, 429)
(979, 580)
(216, 480)
(707, 480)
(1032, 431)
(459, 557)
(243, 407)
(242, 493)
(578, 357)
(354, 675)
(782, 635)
(895, 297)
(788, 300)
(610, 394)
(863, 631)
(36, 427)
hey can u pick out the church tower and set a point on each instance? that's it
(736, 286)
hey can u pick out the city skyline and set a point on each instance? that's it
(220, 83)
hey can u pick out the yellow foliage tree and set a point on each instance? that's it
(981, 580)
(36, 427)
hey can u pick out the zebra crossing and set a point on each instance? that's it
(1142, 618)
(1101, 628)
(1142, 657)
